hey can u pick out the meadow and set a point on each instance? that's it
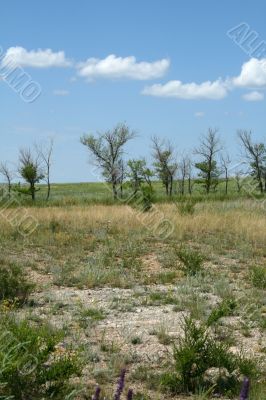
(97, 288)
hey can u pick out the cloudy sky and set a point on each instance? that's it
(166, 67)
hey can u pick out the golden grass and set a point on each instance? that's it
(245, 224)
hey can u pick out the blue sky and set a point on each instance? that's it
(184, 74)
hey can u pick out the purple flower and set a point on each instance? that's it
(130, 394)
(120, 385)
(97, 393)
(245, 389)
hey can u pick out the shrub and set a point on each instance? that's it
(186, 207)
(13, 284)
(201, 362)
(31, 366)
(258, 277)
(191, 259)
(224, 309)
(147, 197)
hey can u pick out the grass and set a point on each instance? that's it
(104, 277)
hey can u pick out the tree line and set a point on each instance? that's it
(212, 166)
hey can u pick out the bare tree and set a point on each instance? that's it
(225, 163)
(107, 151)
(255, 154)
(6, 172)
(239, 179)
(45, 153)
(165, 163)
(208, 149)
(30, 170)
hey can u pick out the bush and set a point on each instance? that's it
(147, 196)
(31, 366)
(224, 309)
(13, 284)
(201, 363)
(258, 277)
(186, 207)
(191, 259)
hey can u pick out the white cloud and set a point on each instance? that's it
(253, 74)
(118, 67)
(253, 96)
(199, 114)
(60, 92)
(35, 58)
(189, 91)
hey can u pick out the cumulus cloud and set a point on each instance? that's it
(253, 74)
(199, 114)
(253, 96)
(35, 58)
(113, 67)
(60, 92)
(189, 91)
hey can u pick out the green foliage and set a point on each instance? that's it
(208, 175)
(192, 260)
(224, 309)
(13, 283)
(139, 173)
(258, 277)
(146, 197)
(196, 353)
(186, 207)
(31, 367)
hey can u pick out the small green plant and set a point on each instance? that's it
(13, 283)
(258, 277)
(186, 207)
(31, 364)
(201, 362)
(224, 309)
(192, 260)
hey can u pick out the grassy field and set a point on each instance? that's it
(121, 292)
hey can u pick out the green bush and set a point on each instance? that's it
(186, 207)
(198, 354)
(224, 309)
(258, 277)
(13, 283)
(31, 366)
(192, 260)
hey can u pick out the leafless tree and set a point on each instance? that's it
(165, 163)
(209, 147)
(45, 153)
(255, 154)
(225, 164)
(8, 174)
(107, 151)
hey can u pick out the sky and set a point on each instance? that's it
(170, 68)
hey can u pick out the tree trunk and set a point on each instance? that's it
(48, 190)
(114, 190)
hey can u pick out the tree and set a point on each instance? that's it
(30, 170)
(225, 163)
(45, 153)
(139, 173)
(165, 163)
(255, 154)
(107, 151)
(208, 148)
(185, 173)
(6, 172)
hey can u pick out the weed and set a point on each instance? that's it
(13, 284)
(258, 277)
(192, 260)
